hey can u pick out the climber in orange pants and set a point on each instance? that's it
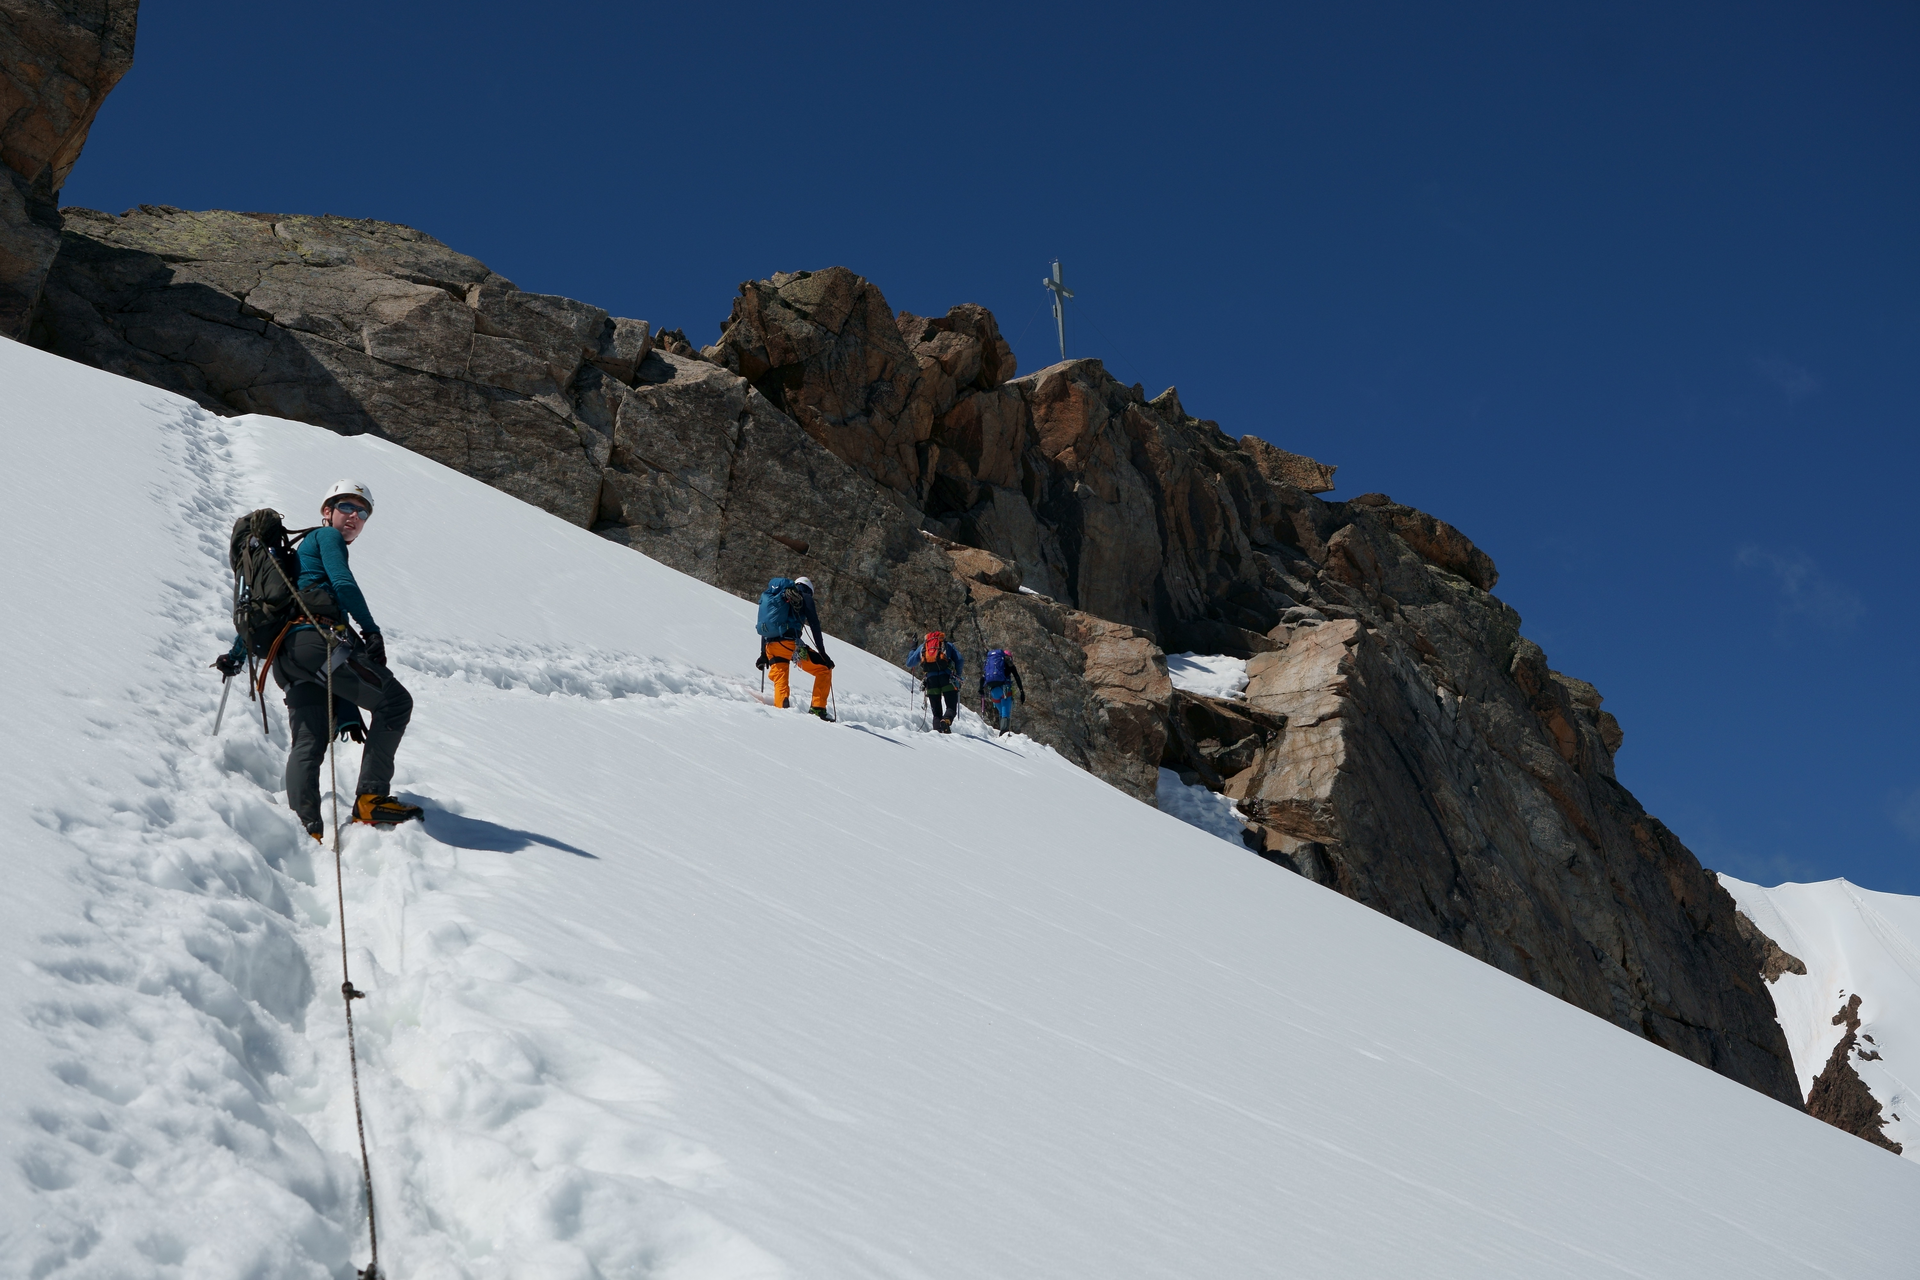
(786, 611)
(779, 653)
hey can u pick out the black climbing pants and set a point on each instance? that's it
(301, 671)
(949, 698)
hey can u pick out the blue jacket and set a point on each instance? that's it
(323, 563)
(916, 659)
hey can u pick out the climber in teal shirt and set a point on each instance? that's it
(306, 663)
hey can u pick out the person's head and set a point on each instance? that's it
(347, 507)
(805, 584)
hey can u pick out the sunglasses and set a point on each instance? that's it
(353, 509)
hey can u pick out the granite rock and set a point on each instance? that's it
(1839, 1096)
(58, 60)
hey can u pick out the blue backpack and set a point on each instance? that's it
(996, 669)
(779, 609)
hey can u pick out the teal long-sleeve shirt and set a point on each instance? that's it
(323, 563)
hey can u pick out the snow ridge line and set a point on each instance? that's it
(575, 672)
(606, 676)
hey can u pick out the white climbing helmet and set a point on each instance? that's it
(798, 582)
(348, 489)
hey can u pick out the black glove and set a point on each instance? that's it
(1023, 699)
(228, 665)
(376, 646)
(823, 660)
(355, 730)
(761, 663)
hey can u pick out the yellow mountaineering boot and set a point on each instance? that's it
(383, 811)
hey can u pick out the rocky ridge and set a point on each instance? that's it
(1400, 741)
(1839, 1096)
(58, 60)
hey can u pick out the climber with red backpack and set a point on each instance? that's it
(998, 676)
(939, 666)
(786, 610)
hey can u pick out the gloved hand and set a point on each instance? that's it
(823, 660)
(355, 730)
(1023, 699)
(376, 648)
(228, 665)
(761, 663)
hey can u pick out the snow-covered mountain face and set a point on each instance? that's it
(1855, 943)
(674, 984)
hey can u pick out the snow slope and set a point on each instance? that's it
(1853, 941)
(675, 985)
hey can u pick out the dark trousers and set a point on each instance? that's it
(301, 671)
(949, 698)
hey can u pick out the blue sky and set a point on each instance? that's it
(1629, 293)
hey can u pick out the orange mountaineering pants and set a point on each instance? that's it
(779, 653)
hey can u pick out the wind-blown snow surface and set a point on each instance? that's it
(1853, 941)
(1208, 810)
(1213, 674)
(675, 985)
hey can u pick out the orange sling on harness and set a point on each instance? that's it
(273, 651)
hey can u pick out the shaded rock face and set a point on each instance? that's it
(1399, 740)
(707, 475)
(58, 59)
(1433, 766)
(353, 325)
(1774, 959)
(1839, 1096)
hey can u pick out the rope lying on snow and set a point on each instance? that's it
(348, 994)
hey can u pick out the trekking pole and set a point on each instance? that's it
(226, 687)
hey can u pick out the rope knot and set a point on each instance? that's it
(348, 990)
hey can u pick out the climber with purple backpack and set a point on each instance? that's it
(998, 678)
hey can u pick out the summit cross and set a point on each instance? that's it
(1060, 293)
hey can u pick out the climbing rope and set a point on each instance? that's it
(347, 992)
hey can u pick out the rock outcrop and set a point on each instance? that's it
(1125, 508)
(1839, 1096)
(353, 325)
(1434, 767)
(1400, 741)
(58, 59)
(1774, 959)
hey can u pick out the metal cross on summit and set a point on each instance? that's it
(1060, 294)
